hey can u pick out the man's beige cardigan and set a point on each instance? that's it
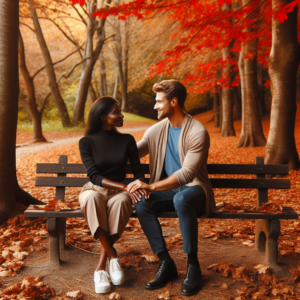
(193, 148)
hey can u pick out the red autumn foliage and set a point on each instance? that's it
(205, 28)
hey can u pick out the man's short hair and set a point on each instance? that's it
(171, 88)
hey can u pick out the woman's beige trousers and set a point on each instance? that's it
(106, 208)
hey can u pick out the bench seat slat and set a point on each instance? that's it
(289, 213)
(216, 182)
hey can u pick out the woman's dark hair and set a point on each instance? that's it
(101, 106)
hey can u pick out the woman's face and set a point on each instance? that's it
(114, 118)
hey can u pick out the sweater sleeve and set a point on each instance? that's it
(91, 168)
(142, 145)
(198, 146)
(135, 161)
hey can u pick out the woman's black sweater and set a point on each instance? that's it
(105, 155)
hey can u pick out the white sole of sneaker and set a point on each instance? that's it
(118, 282)
(102, 289)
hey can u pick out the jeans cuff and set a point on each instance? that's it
(190, 251)
(160, 250)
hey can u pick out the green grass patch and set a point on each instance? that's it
(55, 125)
(135, 118)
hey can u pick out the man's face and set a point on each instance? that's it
(162, 106)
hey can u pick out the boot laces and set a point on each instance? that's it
(159, 270)
(190, 271)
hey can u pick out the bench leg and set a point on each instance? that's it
(266, 236)
(62, 232)
(54, 255)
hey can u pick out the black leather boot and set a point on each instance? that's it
(192, 281)
(166, 272)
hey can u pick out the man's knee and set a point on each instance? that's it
(141, 206)
(180, 202)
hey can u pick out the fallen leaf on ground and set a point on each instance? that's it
(165, 295)
(150, 258)
(212, 266)
(224, 286)
(261, 269)
(75, 294)
(115, 296)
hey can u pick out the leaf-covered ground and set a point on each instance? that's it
(225, 244)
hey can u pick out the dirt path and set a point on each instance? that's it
(77, 270)
(36, 147)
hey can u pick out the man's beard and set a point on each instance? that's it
(165, 114)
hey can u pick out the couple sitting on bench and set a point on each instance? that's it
(178, 150)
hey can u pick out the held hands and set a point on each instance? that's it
(137, 190)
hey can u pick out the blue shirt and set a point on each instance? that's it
(172, 161)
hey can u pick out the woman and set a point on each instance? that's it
(106, 205)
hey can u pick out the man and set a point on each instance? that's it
(178, 150)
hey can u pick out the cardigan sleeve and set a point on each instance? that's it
(142, 146)
(90, 166)
(135, 161)
(198, 145)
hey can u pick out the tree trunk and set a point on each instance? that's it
(220, 109)
(216, 109)
(86, 75)
(262, 101)
(103, 82)
(36, 115)
(10, 191)
(237, 104)
(59, 102)
(125, 73)
(251, 133)
(122, 59)
(283, 64)
(116, 84)
(227, 98)
(242, 76)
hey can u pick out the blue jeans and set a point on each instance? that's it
(186, 201)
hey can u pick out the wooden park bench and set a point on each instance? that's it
(267, 226)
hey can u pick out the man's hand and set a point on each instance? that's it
(138, 185)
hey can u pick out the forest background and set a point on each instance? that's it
(220, 50)
(239, 58)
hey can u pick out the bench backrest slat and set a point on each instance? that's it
(75, 168)
(216, 182)
(211, 168)
(247, 169)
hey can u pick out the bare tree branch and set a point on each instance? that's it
(62, 31)
(44, 103)
(71, 70)
(79, 14)
(27, 26)
(59, 61)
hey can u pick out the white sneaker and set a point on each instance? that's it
(116, 272)
(102, 285)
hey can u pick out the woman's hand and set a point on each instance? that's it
(138, 185)
(135, 197)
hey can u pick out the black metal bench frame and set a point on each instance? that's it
(267, 226)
